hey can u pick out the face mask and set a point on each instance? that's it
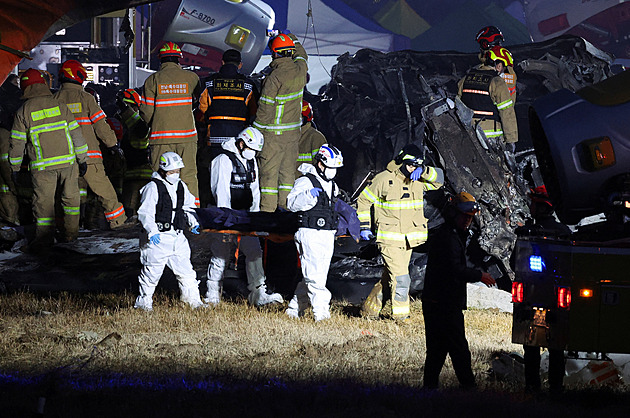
(172, 178)
(248, 154)
(330, 173)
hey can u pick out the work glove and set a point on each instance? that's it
(155, 239)
(82, 169)
(416, 174)
(366, 235)
(117, 150)
(315, 191)
(195, 230)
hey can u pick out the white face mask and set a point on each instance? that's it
(330, 173)
(172, 178)
(248, 154)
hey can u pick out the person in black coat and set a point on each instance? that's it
(444, 294)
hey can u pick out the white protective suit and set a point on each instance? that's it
(315, 248)
(223, 245)
(172, 250)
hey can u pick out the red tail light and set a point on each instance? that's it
(564, 297)
(517, 292)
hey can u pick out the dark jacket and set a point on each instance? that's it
(447, 273)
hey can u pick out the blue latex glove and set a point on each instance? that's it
(195, 230)
(315, 191)
(366, 235)
(415, 174)
(155, 239)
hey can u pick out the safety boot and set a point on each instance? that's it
(213, 294)
(260, 297)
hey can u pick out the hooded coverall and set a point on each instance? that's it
(9, 208)
(310, 141)
(485, 92)
(53, 142)
(315, 247)
(167, 109)
(400, 225)
(279, 118)
(94, 127)
(173, 249)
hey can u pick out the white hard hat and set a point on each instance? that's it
(171, 161)
(330, 156)
(252, 137)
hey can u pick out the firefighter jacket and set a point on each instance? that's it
(167, 104)
(135, 142)
(229, 103)
(227, 183)
(48, 131)
(300, 198)
(509, 76)
(90, 118)
(398, 205)
(280, 104)
(310, 141)
(485, 92)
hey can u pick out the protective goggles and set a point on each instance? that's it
(411, 160)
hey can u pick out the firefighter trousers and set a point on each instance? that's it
(188, 152)
(394, 284)
(100, 185)
(9, 208)
(45, 184)
(276, 165)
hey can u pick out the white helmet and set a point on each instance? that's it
(252, 137)
(171, 161)
(330, 156)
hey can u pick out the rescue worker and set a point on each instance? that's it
(94, 128)
(311, 139)
(315, 195)
(279, 119)
(397, 195)
(229, 104)
(166, 209)
(235, 186)
(489, 37)
(135, 144)
(9, 207)
(444, 294)
(485, 92)
(167, 108)
(54, 144)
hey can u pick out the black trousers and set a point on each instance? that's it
(445, 334)
(532, 368)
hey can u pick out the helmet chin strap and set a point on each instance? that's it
(321, 172)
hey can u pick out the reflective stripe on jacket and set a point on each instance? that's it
(310, 141)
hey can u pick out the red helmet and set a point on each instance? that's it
(170, 49)
(282, 45)
(488, 37)
(307, 112)
(498, 53)
(116, 127)
(539, 195)
(131, 96)
(73, 70)
(30, 77)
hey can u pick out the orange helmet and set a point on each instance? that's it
(307, 112)
(498, 53)
(131, 96)
(170, 49)
(282, 45)
(30, 77)
(466, 203)
(73, 70)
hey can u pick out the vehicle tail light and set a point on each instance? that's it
(517, 292)
(564, 297)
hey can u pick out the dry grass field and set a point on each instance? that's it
(94, 355)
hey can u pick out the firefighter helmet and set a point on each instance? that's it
(30, 77)
(488, 37)
(410, 154)
(73, 70)
(498, 53)
(252, 138)
(307, 112)
(330, 156)
(131, 96)
(170, 49)
(466, 203)
(171, 161)
(282, 45)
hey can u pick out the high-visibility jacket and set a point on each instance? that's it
(310, 141)
(48, 131)
(485, 92)
(398, 205)
(90, 117)
(167, 104)
(280, 104)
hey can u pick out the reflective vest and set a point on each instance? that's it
(323, 214)
(476, 94)
(240, 183)
(164, 208)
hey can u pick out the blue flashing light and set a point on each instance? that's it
(536, 263)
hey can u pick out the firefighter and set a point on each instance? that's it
(444, 294)
(94, 128)
(485, 92)
(235, 185)
(167, 109)
(315, 195)
(279, 119)
(310, 138)
(135, 144)
(53, 142)
(489, 37)
(229, 105)
(397, 195)
(166, 209)
(9, 207)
